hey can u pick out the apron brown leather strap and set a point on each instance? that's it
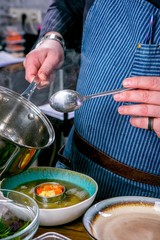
(113, 165)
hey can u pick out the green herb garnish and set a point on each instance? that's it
(11, 226)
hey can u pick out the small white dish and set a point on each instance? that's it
(50, 236)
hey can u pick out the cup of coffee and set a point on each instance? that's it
(124, 218)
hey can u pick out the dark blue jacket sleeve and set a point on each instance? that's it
(66, 17)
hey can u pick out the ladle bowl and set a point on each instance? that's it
(69, 100)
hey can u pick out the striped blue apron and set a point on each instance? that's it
(110, 53)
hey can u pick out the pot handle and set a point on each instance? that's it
(29, 90)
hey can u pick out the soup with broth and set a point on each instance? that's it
(73, 194)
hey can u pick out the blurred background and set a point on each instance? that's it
(25, 16)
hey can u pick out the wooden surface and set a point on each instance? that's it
(74, 230)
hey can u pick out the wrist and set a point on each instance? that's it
(53, 37)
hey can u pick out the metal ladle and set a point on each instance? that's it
(70, 100)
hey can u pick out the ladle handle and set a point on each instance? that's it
(29, 90)
(111, 92)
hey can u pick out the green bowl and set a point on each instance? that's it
(57, 216)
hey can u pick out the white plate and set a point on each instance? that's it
(124, 218)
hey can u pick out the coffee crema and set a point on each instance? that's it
(131, 221)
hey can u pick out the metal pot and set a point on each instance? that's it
(24, 131)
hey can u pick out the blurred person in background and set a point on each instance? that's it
(115, 139)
